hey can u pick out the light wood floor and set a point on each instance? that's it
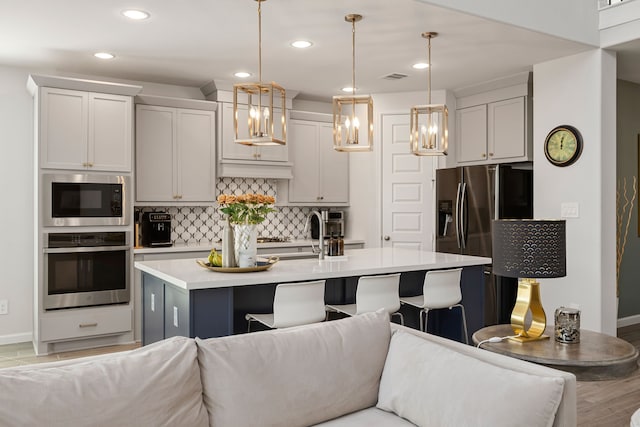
(611, 403)
(600, 403)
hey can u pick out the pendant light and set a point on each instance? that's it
(265, 106)
(429, 132)
(353, 114)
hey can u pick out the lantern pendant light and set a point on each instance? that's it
(429, 132)
(265, 106)
(353, 114)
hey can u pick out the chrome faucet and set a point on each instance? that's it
(320, 232)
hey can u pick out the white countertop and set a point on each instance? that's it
(187, 274)
(207, 246)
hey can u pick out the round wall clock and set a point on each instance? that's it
(563, 145)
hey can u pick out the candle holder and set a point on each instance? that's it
(567, 325)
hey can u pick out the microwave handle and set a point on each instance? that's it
(85, 249)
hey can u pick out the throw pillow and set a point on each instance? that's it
(431, 385)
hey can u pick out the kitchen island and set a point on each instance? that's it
(179, 297)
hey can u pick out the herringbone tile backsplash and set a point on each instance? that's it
(195, 224)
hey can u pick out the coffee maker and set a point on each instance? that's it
(156, 229)
(333, 224)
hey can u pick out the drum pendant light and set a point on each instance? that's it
(353, 114)
(429, 132)
(263, 111)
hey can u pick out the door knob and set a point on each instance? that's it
(387, 238)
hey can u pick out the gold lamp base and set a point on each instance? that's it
(528, 299)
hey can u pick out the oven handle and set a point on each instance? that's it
(85, 249)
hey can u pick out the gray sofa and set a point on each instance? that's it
(350, 372)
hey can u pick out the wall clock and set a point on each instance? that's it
(563, 145)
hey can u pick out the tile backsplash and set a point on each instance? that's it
(195, 224)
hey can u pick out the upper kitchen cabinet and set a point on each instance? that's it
(83, 124)
(175, 151)
(495, 126)
(245, 161)
(239, 160)
(320, 173)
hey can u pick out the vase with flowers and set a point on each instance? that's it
(244, 212)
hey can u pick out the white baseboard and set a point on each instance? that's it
(16, 338)
(628, 321)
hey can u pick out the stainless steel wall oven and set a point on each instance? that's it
(86, 269)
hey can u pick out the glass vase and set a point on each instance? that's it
(246, 244)
(228, 247)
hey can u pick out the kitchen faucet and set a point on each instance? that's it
(320, 232)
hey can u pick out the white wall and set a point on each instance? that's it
(571, 19)
(365, 169)
(16, 213)
(580, 90)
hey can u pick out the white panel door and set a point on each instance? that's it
(63, 129)
(109, 141)
(408, 184)
(195, 151)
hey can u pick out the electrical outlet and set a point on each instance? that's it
(4, 306)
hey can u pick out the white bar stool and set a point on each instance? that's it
(372, 294)
(441, 289)
(293, 304)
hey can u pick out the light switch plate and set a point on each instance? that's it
(569, 210)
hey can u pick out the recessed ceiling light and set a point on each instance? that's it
(347, 89)
(301, 44)
(420, 65)
(242, 74)
(135, 14)
(104, 55)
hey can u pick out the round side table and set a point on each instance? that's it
(596, 357)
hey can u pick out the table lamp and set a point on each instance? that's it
(529, 249)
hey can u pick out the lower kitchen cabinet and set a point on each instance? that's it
(153, 302)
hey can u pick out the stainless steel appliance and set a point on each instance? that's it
(86, 269)
(85, 200)
(333, 224)
(468, 198)
(156, 229)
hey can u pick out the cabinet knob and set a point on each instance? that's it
(85, 164)
(90, 165)
(484, 155)
(387, 238)
(490, 154)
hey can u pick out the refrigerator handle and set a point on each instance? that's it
(458, 212)
(461, 215)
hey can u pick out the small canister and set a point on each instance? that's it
(567, 325)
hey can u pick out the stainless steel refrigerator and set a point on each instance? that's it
(468, 198)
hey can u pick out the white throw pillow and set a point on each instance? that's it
(157, 385)
(431, 385)
(296, 376)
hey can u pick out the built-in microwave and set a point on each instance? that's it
(85, 200)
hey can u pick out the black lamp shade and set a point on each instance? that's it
(529, 248)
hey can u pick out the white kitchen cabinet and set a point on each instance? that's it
(493, 132)
(175, 154)
(85, 130)
(320, 173)
(238, 160)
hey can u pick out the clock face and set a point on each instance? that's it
(563, 145)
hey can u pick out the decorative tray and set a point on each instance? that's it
(263, 264)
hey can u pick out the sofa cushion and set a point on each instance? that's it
(367, 417)
(157, 385)
(295, 376)
(431, 385)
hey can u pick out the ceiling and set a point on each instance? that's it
(191, 43)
